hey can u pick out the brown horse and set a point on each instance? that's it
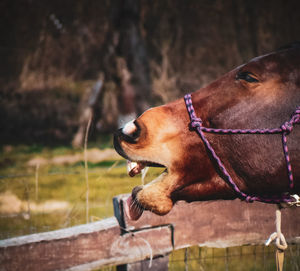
(262, 93)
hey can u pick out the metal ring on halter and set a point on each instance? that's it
(296, 202)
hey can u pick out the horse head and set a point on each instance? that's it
(262, 93)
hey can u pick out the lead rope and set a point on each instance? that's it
(278, 236)
(279, 240)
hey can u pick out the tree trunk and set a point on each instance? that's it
(91, 99)
(133, 67)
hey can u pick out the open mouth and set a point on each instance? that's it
(134, 168)
(133, 208)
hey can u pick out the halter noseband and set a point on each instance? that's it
(285, 129)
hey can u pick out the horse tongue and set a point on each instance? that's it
(132, 210)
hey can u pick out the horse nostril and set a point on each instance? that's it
(129, 128)
(130, 132)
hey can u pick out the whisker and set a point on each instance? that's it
(132, 204)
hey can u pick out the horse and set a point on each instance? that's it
(234, 138)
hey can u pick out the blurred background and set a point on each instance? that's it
(117, 58)
(73, 71)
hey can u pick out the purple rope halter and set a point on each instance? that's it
(285, 129)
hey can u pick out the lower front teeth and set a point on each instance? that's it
(130, 165)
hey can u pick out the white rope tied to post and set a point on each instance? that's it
(280, 239)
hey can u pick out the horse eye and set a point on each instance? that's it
(246, 76)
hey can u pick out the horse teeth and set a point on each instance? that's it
(130, 165)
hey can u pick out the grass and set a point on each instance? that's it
(244, 258)
(63, 183)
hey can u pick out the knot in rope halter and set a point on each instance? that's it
(249, 199)
(196, 122)
(287, 127)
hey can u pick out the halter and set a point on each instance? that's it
(285, 129)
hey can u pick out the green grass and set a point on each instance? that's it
(64, 183)
(244, 258)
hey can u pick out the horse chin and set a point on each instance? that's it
(133, 209)
(153, 197)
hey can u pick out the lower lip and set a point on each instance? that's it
(131, 215)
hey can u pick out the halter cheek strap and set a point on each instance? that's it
(284, 130)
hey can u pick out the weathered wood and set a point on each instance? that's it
(217, 223)
(85, 247)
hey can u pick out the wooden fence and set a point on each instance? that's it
(120, 241)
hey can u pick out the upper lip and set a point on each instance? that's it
(120, 151)
(152, 164)
(118, 147)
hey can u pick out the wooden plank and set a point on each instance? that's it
(218, 223)
(134, 247)
(60, 234)
(85, 247)
(59, 249)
